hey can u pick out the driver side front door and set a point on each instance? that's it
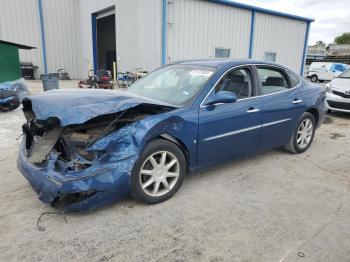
(231, 130)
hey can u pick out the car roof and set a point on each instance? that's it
(222, 63)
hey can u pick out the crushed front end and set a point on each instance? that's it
(82, 166)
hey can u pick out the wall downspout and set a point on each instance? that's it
(305, 48)
(43, 38)
(164, 31)
(251, 41)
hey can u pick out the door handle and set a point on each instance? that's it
(297, 101)
(253, 110)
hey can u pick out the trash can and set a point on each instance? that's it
(50, 81)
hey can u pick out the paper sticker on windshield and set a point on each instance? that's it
(200, 73)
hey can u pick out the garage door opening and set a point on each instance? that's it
(105, 40)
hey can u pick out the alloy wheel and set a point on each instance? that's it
(304, 134)
(159, 173)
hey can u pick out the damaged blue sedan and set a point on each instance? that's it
(82, 149)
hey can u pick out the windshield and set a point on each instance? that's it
(175, 85)
(346, 74)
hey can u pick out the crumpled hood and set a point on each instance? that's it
(76, 106)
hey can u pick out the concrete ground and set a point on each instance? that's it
(271, 207)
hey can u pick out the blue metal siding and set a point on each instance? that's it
(262, 10)
(305, 48)
(164, 31)
(94, 41)
(43, 40)
(251, 41)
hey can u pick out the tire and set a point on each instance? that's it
(12, 105)
(296, 147)
(144, 184)
(314, 78)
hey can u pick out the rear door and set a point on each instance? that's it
(281, 105)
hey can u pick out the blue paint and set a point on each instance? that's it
(94, 41)
(43, 39)
(262, 10)
(305, 48)
(109, 175)
(164, 32)
(87, 104)
(251, 41)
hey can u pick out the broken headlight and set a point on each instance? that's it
(73, 153)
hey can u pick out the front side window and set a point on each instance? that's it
(238, 81)
(272, 80)
(175, 85)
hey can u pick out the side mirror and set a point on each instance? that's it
(222, 97)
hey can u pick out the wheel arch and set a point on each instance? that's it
(315, 113)
(180, 144)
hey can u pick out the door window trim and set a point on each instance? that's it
(254, 87)
(254, 69)
(251, 72)
(280, 70)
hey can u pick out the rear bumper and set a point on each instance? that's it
(337, 103)
(103, 184)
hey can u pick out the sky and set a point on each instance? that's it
(332, 17)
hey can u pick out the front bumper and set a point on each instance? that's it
(102, 183)
(337, 103)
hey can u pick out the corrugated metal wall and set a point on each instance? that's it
(19, 23)
(62, 37)
(283, 36)
(138, 26)
(196, 27)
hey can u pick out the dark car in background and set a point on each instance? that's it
(85, 148)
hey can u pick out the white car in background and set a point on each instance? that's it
(324, 71)
(338, 93)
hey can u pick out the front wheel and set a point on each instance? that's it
(158, 173)
(303, 134)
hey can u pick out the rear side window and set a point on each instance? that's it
(294, 80)
(272, 80)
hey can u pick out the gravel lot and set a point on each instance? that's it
(270, 207)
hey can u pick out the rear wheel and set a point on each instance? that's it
(158, 173)
(314, 78)
(303, 134)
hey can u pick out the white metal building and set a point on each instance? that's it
(148, 33)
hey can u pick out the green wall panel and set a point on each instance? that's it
(10, 68)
